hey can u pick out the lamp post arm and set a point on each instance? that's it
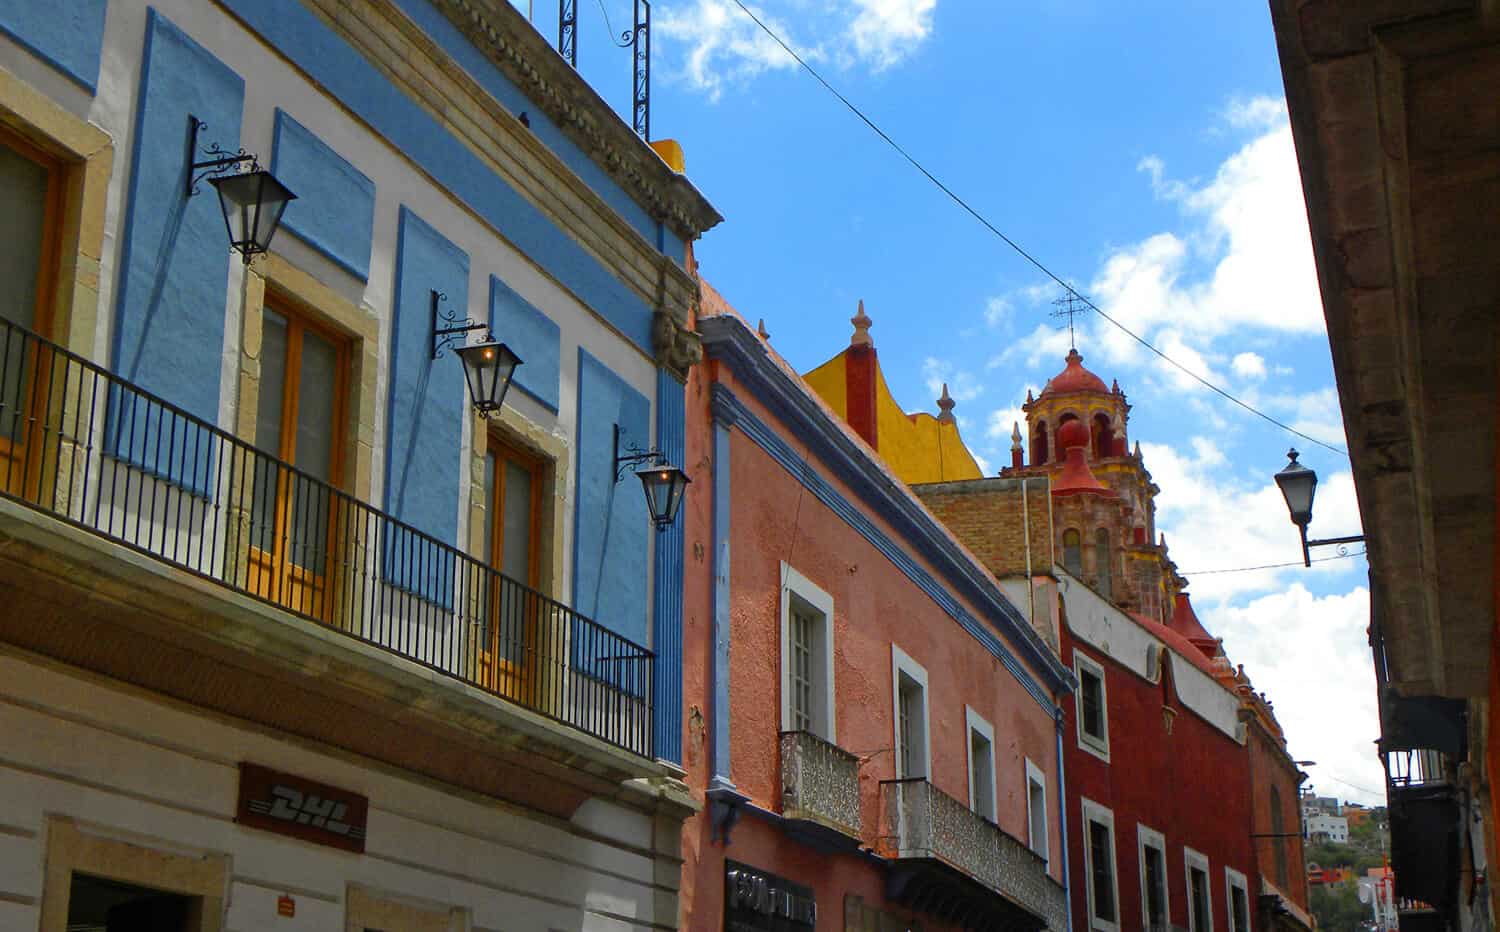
(1324, 542)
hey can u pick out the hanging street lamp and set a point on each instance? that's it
(250, 198)
(488, 366)
(1298, 484)
(664, 483)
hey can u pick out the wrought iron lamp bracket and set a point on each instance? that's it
(456, 330)
(219, 161)
(1341, 542)
(634, 456)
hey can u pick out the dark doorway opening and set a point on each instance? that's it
(99, 905)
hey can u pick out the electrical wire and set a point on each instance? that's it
(1270, 566)
(1019, 250)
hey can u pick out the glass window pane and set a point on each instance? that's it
(23, 204)
(273, 349)
(313, 450)
(1101, 855)
(515, 558)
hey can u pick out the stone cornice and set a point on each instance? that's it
(519, 51)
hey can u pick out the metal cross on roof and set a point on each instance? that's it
(1069, 305)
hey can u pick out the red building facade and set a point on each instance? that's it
(885, 748)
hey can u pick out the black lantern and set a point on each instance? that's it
(488, 367)
(664, 486)
(663, 482)
(250, 197)
(252, 203)
(1298, 484)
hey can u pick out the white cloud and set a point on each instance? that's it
(713, 45)
(1248, 223)
(962, 386)
(1249, 366)
(886, 31)
(723, 45)
(1214, 521)
(1323, 690)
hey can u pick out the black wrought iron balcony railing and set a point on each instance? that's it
(923, 823)
(90, 448)
(819, 783)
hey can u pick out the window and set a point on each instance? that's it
(806, 657)
(1036, 810)
(1155, 906)
(909, 688)
(96, 903)
(1073, 552)
(298, 416)
(1103, 573)
(1200, 898)
(512, 497)
(30, 200)
(1093, 714)
(981, 765)
(1239, 900)
(1039, 447)
(1099, 866)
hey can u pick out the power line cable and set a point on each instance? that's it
(953, 196)
(1270, 566)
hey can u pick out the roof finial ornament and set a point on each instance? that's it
(1067, 306)
(1015, 437)
(945, 406)
(1137, 449)
(1114, 388)
(861, 324)
(1029, 398)
(761, 329)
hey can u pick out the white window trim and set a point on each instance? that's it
(1035, 775)
(975, 722)
(1151, 838)
(794, 582)
(1234, 879)
(1093, 812)
(1192, 859)
(1098, 748)
(901, 663)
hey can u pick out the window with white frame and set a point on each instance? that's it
(806, 657)
(1036, 810)
(981, 764)
(1099, 866)
(1093, 706)
(1156, 908)
(909, 692)
(1199, 894)
(1238, 891)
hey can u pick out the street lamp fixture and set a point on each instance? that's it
(664, 483)
(488, 366)
(1298, 484)
(250, 198)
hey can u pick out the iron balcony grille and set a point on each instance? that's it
(86, 446)
(819, 782)
(921, 821)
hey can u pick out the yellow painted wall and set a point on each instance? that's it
(918, 447)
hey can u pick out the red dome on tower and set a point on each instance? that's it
(1075, 378)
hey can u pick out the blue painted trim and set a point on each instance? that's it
(720, 711)
(79, 20)
(294, 31)
(730, 340)
(666, 640)
(328, 203)
(533, 336)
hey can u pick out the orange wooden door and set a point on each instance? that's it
(513, 612)
(294, 512)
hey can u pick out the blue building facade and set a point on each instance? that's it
(277, 520)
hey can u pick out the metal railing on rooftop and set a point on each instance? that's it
(921, 821)
(86, 446)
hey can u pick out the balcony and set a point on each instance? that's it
(953, 863)
(820, 789)
(1426, 829)
(132, 499)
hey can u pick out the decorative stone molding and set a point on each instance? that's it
(676, 343)
(518, 50)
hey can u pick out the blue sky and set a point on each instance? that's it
(1141, 151)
